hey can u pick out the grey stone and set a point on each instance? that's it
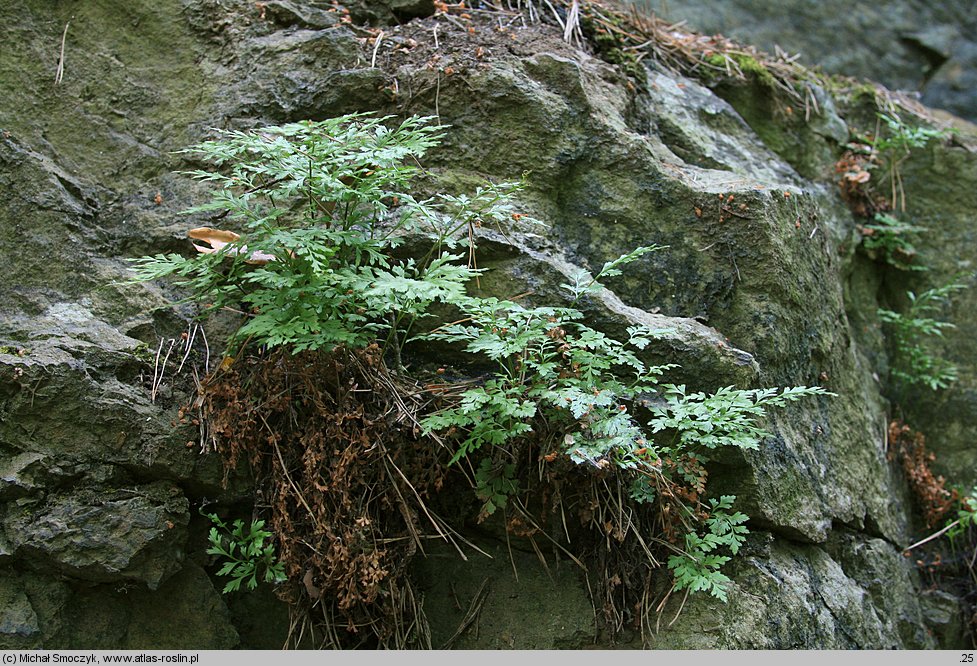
(944, 614)
(917, 46)
(186, 612)
(510, 586)
(30, 609)
(792, 596)
(103, 535)
(18, 621)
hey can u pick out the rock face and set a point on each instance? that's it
(927, 47)
(915, 46)
(99, 524)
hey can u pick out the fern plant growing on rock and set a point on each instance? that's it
(306, 242)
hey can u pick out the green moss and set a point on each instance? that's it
(750, 66)
(863, 97)
(143, 353)
(13, 351)
(144, 64)
(715, 59)
(863, 93)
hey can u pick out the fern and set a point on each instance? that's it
(966, 516)
(556, 374)
(729, 417)
(327, 202)
(245, 552)
(697, 568)
(494, 484)
(913, 362)
(318, 210)
(892, 240)
(584, 283)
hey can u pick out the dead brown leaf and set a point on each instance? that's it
(219, 238)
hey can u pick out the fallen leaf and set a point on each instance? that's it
(858, 176)
(219, 238)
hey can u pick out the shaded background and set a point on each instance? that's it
(928, 47)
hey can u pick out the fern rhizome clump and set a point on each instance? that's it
(571, 436)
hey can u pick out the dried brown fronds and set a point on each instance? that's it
(333, 443)
(935, 501)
